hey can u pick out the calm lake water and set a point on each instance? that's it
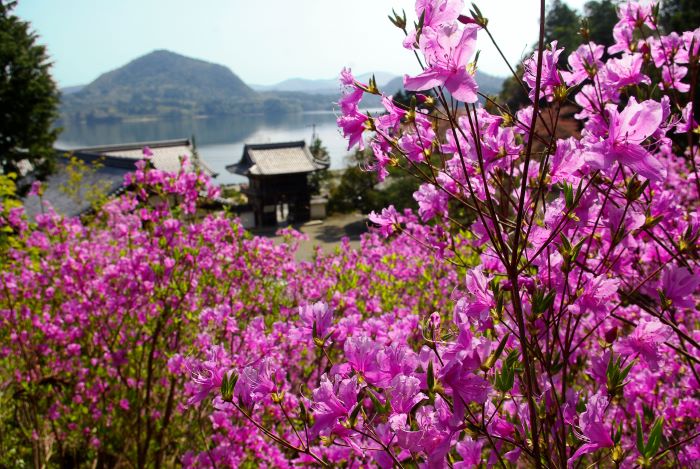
(219, 140)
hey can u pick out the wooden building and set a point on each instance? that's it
(279, 185)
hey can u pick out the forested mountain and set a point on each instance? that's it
(160, 84)
(163, 84)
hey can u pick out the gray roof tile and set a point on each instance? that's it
(166, 154)
(266, 159)
(107, 177)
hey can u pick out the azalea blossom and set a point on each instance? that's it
(645, 341)
(387, 220)
(592, 429)
(678, 286)
(623, 143)
(447, 51)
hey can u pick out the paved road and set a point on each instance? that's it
(327, 234)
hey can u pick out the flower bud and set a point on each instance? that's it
(398, 21)
(611, 335)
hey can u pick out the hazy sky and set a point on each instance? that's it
(262, 41)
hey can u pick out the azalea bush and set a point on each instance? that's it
(540, 308)
(104, 321)
(572, 337)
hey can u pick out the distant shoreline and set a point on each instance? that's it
(144, 119)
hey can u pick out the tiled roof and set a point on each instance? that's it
(166, 153)
(107, 177)
(267, 159)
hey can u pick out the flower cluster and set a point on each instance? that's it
(573, 338)
(539, 310)
(111, 329)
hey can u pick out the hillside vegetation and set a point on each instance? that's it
(163, 84)
(166, 84)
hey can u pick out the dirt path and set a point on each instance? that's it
(327, 233)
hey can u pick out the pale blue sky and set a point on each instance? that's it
(262, 41)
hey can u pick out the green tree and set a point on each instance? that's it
(360, 189)
(357, 187)
(28, 97)
(562, 25)
(82, 185)
(600, 16)
(318, 179)
(680, 15)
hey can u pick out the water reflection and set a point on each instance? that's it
(219, 140)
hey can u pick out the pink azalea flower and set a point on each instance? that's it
(623, 34)
(584, 62)
(465, 386)
(645, 341)
(432, 436)
(679, 284)
(597, 293)
(393, 361)
(353, 125)
(687, 123)
(691, 42)
(625, 71)
(207, 377)
(637, 14)
(566, 161)
(351, 120)
(390, 121)
(432, 202)
(318, 316)
(331, 403)
(447, 51)
(470, 451)
(361, 355)
(381, 150)
(593, 430)
(255, 382)
(416, 144)
(550, 73)
(479, 301)
(346, 77)
(669, 49)
(626, 131)
(387, 220)
(672, 77)
(36, 189)
(404, 393)
(438, 12)
(435, 13)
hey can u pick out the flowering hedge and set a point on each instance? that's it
(102, 322)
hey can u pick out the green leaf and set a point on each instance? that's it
(542, 301)
(488, 364)
(566, 244)
(655, 435)
(431, 377)
(379, 407)
(640, 437)
(506, 377)
(352, 420)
